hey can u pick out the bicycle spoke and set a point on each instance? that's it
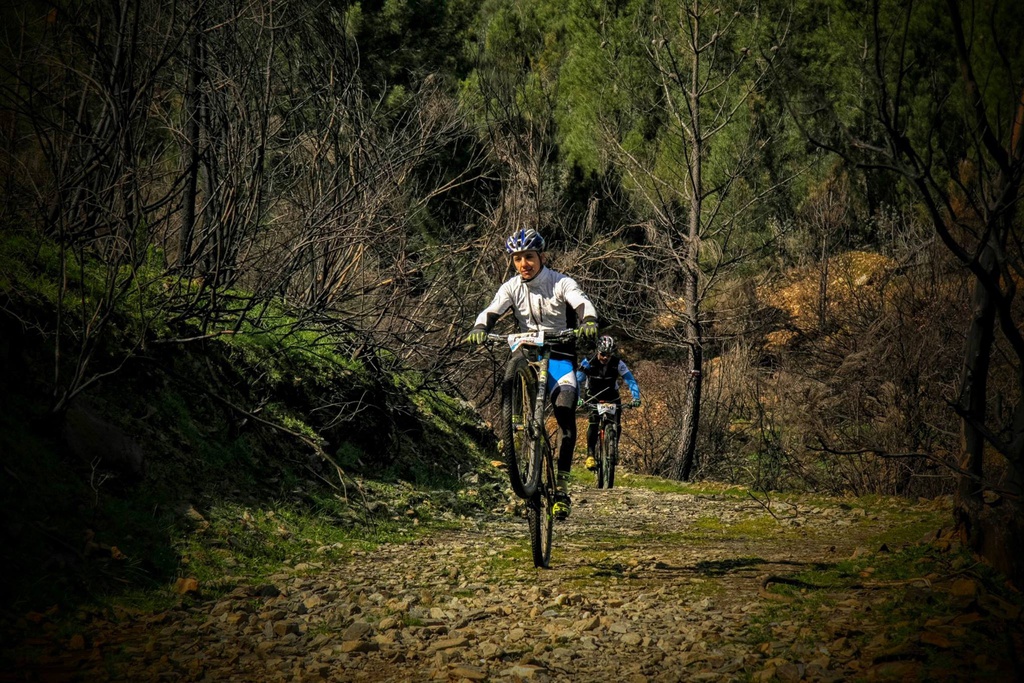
(540, 514)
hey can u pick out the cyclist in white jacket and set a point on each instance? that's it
(544, 299)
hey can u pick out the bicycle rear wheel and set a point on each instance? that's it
(522, 446)
(539, 511)
(611, 445)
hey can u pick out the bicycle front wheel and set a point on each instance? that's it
(522, 445)
(540, 512)
(604, 462)
(606, 467)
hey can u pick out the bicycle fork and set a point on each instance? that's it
(538, 400)
(536, 423)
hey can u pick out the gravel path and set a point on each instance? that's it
(644, 586)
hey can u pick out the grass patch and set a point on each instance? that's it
(584, 477)
(409, 620)
(897, 602)
(910, 528)
(510, 559)
(254, 543)
(661, 485)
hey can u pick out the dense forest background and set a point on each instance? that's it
(798, 218)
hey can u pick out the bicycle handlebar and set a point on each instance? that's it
(591, 405)
(564, 335)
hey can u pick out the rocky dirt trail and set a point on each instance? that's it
(645, 586)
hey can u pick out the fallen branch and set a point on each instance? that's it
(184, 340)
(766, 506)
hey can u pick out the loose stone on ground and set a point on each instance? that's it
(628, 598)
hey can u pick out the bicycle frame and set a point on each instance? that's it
(533, 479)
(528, 343)
(540, 399)
(608, 428)
(605, 416)
(603, 426)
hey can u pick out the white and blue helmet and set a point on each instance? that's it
(605, 345)
(525, 239)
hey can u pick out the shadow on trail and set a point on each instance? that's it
(705, 568)
(609, 569)
(723, 567)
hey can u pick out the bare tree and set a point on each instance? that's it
(952, 129)
(701, 78)
(247, 147)
(516, 106)
(826, 213)
(83, 80)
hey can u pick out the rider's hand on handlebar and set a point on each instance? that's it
(588, 330)
(635, 403)
(579, 403)
(477, 336)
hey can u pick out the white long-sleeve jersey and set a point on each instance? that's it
(550, 301)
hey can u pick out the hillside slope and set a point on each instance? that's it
(101, 494)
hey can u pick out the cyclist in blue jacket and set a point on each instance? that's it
(600, 378)
(544, 299)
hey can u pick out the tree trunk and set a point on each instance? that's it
(823, 282)
(691, 417)
(974, 387)
(188, 200)
(993, 525)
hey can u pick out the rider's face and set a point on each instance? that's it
(603, 357)
(527, 263)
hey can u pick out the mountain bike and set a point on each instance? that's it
(606, 450)
(528, 431)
